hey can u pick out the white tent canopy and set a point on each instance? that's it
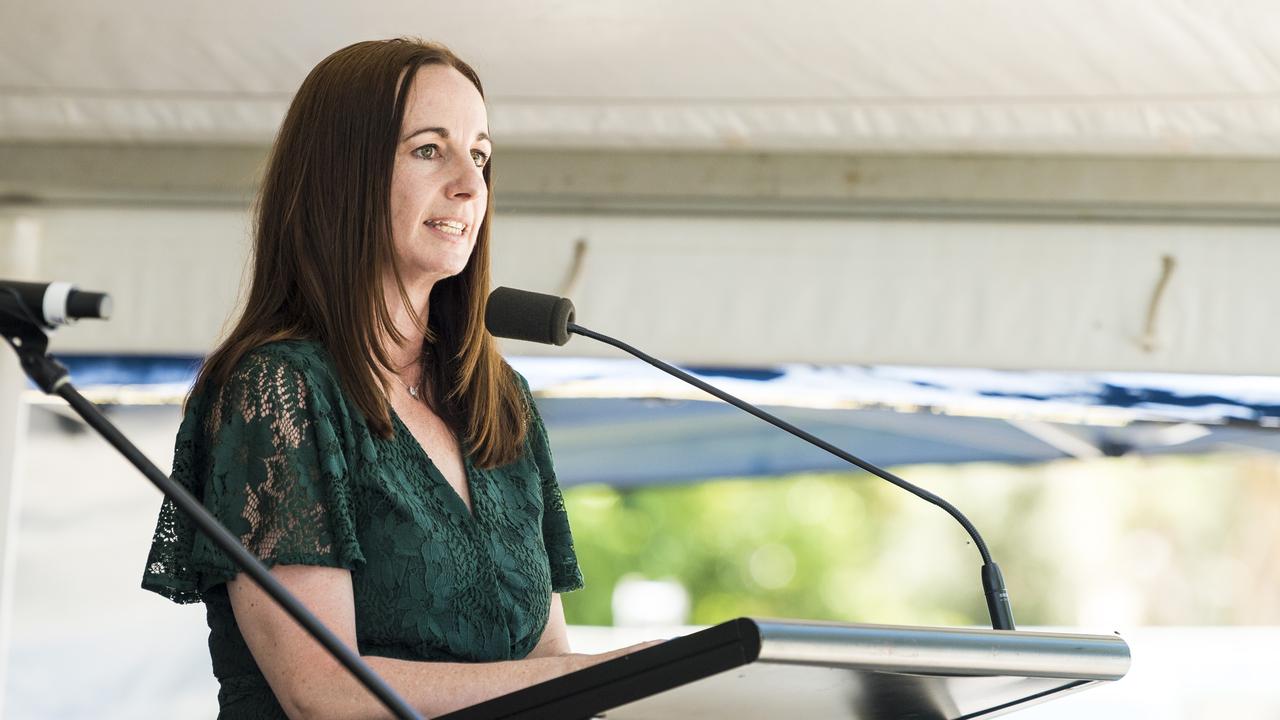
(1073, 76)
(1063, 185)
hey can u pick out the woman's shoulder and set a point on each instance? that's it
(299, 353)
(297, 360)
(295, 368)
(522, 382)
(282, 384)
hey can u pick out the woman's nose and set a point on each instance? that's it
(467, 180)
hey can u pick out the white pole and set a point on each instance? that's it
(19, 245)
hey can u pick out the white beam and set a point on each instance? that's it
(731, 184)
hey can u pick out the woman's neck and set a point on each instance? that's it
(405, 356)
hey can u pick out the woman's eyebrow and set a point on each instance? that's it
(442, 132)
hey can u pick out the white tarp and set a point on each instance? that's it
(1070, 76)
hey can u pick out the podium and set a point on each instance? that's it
(755, 669)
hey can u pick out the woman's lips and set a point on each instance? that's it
(448, 225)
(448, 234)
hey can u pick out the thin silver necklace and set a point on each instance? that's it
(412, 390)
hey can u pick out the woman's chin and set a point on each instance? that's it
(434, 272)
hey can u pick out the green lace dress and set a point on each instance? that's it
(288, 465)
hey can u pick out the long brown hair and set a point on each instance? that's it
(323, 243)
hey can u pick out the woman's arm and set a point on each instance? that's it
(309, 683)
(555, 636)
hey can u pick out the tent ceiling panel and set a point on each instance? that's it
(1064, 76)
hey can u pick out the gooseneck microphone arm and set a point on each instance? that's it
(536, 317)
(992, 579)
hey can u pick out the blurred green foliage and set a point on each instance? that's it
(793, 547)
(1100, 543)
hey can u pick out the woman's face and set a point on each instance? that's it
(438, 195)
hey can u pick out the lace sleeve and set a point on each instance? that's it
(263, 456)
(565, 573)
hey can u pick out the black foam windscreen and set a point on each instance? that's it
(525, 315)
(89, 305)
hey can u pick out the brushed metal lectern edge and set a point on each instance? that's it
(762, 669)
(943, 651)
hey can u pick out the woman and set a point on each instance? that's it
(358, 430)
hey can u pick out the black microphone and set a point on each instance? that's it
(524, 315)
(51, 304)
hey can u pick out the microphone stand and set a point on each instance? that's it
(24, 332)
(992, 579)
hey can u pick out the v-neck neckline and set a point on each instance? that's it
(468, 471)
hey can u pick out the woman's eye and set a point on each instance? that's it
(427, 152)
(480, 158)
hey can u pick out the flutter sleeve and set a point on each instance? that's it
(262, 454)
(565, 573)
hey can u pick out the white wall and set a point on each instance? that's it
(758, 291)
